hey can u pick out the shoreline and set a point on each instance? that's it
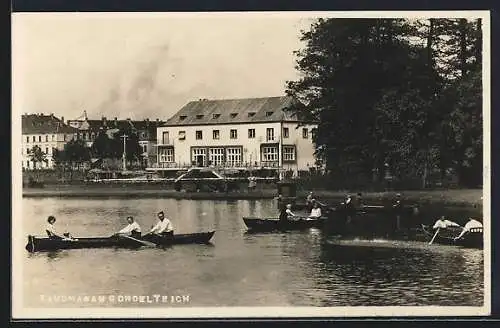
(454, 197)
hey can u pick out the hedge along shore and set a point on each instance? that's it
(454, 197)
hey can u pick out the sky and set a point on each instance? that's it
(138, 66)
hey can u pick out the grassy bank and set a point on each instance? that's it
(455, 197)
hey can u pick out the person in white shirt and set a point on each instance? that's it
(289, 212)
(472, 225)
(51, 230)
(132, 229)
(53, 233)
(316, 211)
(163, 228)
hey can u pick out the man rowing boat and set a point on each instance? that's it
(472, 225)
(163, 229)
(132, 229)
(52, 232)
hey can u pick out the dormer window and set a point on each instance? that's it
(182, 117)
(251, 114)
(199, 116)
(233, 115)
(215, 116)
(269, 114)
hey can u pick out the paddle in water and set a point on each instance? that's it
(434, 237)
(145, 243)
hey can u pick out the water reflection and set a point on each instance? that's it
(240, 269)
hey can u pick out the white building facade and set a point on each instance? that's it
(241, 133)
(46, 132)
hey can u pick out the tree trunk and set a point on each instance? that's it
(463, 46)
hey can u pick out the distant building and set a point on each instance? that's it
(236, 133)
(88, 130)
(47, 132)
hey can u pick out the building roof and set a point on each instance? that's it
(44, 124)
(227, 111)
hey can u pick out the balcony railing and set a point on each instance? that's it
(227, 165)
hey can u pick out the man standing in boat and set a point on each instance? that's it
(132, 229)
(163, 229)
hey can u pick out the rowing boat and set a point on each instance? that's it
(446, 236)
(36, 244)
(274, 224)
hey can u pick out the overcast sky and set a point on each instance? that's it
(148, 65)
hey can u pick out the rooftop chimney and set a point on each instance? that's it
(116, 122)
(62, 119)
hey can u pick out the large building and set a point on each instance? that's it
(88, 130)
(47, 132)
(236, 133)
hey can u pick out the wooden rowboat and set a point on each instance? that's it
(273, 224)
(36, 244)
(446, 236)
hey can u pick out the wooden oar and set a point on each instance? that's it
(432, 240)
(145, 243)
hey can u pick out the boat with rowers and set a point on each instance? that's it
(37, 243)
(446, 232)
(274, 224)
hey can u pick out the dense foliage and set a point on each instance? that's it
(395, 98)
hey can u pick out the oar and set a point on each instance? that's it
(145, 243)
(432, 240)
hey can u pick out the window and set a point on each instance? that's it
(251, 114)
(233, 115)
(286, 133)
(269, 114)
(305, 133)
(46, 150)
(165, 138)
(166, 155)
(198, 156)
(270, 134)
(251, 133)
(46, 138)
(233, 156)
(182, 117)
(39, 138)
(199, 135)
(289, 153)
(34, 139)
(314, 132)
(182, 135)
(233, 134)
(215, 116)
(269, 154)
(53, 137)
(64, 137)
(199, 116)
(216, 134)
(144, 148)
(216, 156)
(28, 139)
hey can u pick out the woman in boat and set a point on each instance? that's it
(52, 232)
(315, 212)
(163, 229)
(132, 229)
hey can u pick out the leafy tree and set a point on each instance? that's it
(36, 155)
(392, 91)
